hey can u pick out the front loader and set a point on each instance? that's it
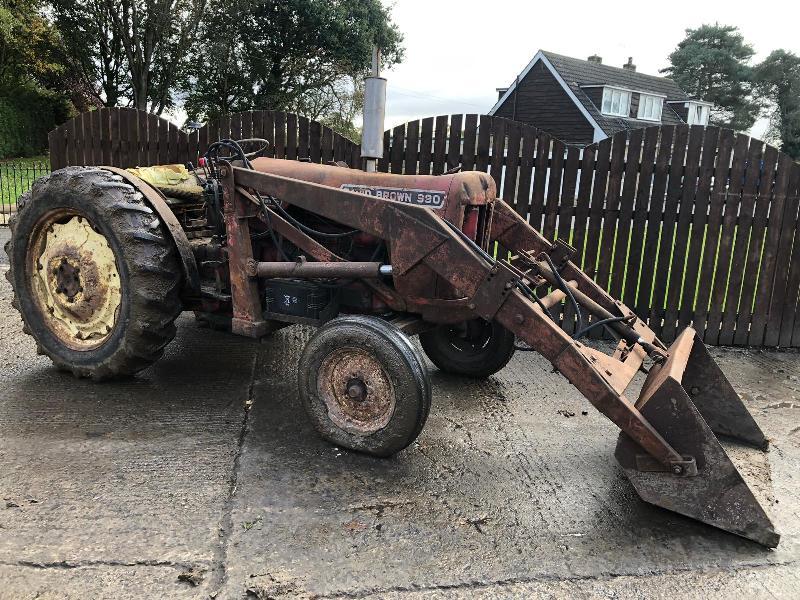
(104, 259)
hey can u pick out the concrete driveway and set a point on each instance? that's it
(201, 478)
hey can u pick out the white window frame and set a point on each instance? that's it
(656, 107)
(705, 113)
(608, 93)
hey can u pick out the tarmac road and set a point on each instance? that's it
(201, 478)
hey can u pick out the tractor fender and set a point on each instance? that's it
(157, 202)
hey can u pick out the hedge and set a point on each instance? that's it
(27, 114)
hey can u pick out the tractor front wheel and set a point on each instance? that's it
(364, 386)
(96, 276)
(475, 348)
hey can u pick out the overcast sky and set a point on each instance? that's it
(459, 51)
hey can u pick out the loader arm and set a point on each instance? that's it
(675, 467)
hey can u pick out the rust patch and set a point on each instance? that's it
(75, 281)
(356, 390)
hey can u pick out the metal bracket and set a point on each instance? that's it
(561, 253)
(682, 468)
(492, 292)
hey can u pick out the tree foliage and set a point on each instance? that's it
(288, 54)
(130, 51)
(91, 50)
(777, 80)
(28, 44)
(34, 88)
(711, 63)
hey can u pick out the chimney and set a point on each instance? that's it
(629, 66)
(598, 60)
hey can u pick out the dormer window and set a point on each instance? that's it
(698, 113)
(616, 102)
(650, 107)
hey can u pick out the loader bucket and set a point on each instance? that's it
(688, 400)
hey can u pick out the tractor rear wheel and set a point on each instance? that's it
(95, 274)
(475, 348)
(364, 385)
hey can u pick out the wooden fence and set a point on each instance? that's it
(124, 137)
(687, 225)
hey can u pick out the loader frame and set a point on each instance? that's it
(417, 237)
(421, 242)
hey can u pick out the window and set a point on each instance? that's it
(650, 107)
(698, 114)
(616, 102)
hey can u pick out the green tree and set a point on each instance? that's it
(711, 63)
(130, 51)
(91, 51)
(34, 88)
(28, 44)
(301, 55)
(777, 79)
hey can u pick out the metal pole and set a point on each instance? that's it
(374, 114)
(314, 270)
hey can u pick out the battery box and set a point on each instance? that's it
(300, 301)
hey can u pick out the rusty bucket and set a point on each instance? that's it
(690, 402)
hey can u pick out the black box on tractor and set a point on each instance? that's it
(299, 301)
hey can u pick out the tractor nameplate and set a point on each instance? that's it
(429, 198)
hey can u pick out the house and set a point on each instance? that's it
(584, 101)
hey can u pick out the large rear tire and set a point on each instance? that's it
(95, 274)
(364, 385)
(476, 348)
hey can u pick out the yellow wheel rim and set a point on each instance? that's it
(74, 280)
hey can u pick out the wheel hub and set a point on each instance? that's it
(356, 390)
(470, 337)
(75, 281)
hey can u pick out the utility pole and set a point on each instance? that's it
(374, 114)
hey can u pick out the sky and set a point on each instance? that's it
(458, 52)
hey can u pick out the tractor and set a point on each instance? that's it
(103, 260)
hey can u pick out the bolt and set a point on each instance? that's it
(677, 469)
(356, 390)
(471, 306)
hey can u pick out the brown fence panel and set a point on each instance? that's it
(124, 137)
(691, 226)
(289, 135)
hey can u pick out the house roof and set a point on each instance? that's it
(584, 72)
(576, 74)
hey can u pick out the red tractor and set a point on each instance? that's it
(103, 260)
